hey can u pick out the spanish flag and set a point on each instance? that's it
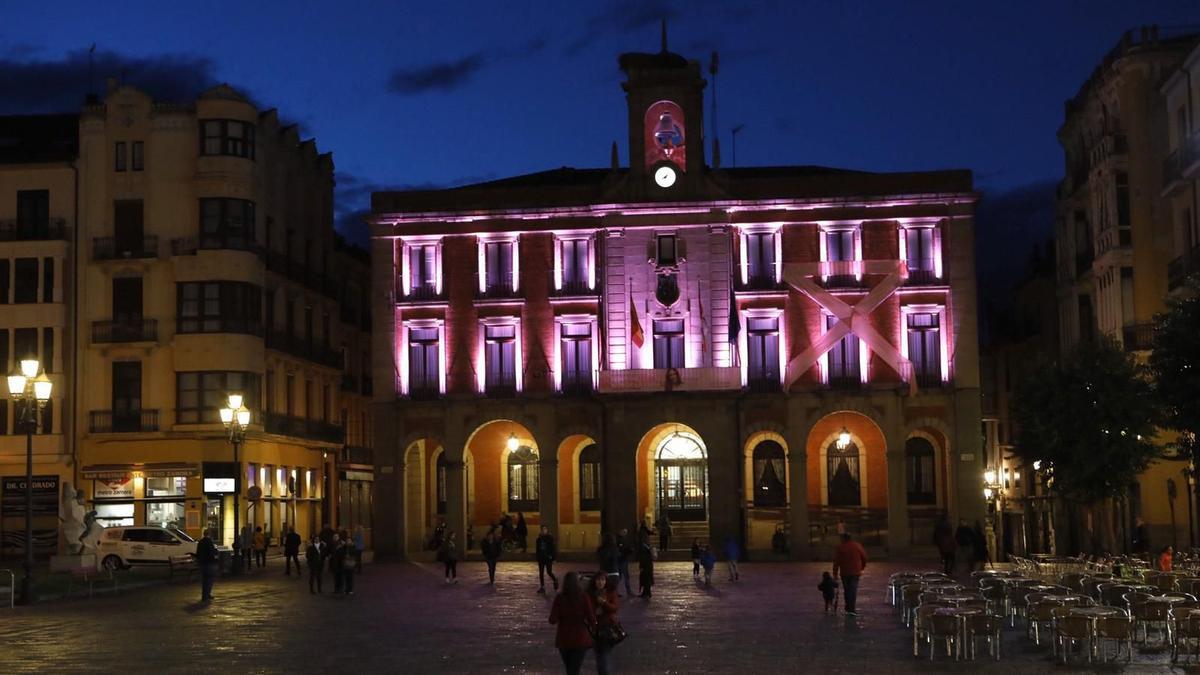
(635, 326)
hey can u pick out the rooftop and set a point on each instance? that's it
(27, 139)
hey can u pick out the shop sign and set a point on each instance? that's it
(218, 485)
(45, 496)
(113, 488)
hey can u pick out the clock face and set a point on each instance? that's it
(664, 176)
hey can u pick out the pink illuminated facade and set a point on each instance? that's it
(675, 339)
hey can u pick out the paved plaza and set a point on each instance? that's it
(404, 619)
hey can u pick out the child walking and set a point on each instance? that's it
(707, 561)
(828, 588)
(696, 559)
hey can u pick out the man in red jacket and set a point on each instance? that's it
(849, 559)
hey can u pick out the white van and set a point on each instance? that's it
(122, 547)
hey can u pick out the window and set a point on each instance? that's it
(219, 307)
(842, 472)
(498, 257)
(3, 416)
(924, 348)
(127, 301)
(423, 369)
(574, 259)
(591, 496)
(201, 394)
(770, 488)
(666, 250)
(576, 357)
(918, 245)
(165, 514)
(138, 160)
(308, 399)
(4, 281)
(33, 214)
(172, 486)
(289, 394)
(25, 344)
(26, 281)
(48, 349)
(760, 259)
(762, 351)
(4, 357)
(1121, 181)
(523, 480)
(422, 271)
(500, 343)
(668, 343)
(441, 483)
(119, 157)
(47, 417)
(844, 366)
(128, 228)
(226, 223)
(227, 137)
(127, 396)
(269, 391)
(47, 279)
(839, 245)
(116, 515)
(919, 457)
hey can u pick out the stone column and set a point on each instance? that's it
(898, 537)
(456, 497)
(798, 546)
(547, 494)
(389, 535)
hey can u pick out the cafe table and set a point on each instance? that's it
(1093, 613)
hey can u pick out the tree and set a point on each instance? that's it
(1175, 366)
(1090, 420)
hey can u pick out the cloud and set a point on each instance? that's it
(624, 16)
(352, 200)
(451, 74)
(31, 84)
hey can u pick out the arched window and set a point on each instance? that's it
(920, 471)
(440, 477)
(842, 468)
(589, 479)
(523, 479)
(770, 488)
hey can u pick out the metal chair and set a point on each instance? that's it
(1188, 585)
(1114, 594)
(987, 626)
(1186, 632)
(996, 598)
(943, 628)
(1149, 614)
(1118, 629)
(1038, 613)
(910, 599)
(1069, 630)
(1073, 581)
(920, 626)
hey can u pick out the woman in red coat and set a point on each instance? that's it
(604, 600)
(573, 613)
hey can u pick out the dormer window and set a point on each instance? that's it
(666, 250)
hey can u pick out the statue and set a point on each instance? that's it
(77, 524)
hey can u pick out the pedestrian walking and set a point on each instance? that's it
(696, 550)
(291, 551)
(732, 553)
(608, 628)
(645, 531)
(645, 569)
(964, 539)
(828, 588)
(522, 532)
(491, 554)
(943, 539)
(664, 532)
(247, 553)
(439, 535)
(625, 552)
(1166, 558)
(849, 561)
(348, 567)
(360, 545)
(574, 617)
(546, 550)
(207, 560)
(337, 562)
(448, 554)
(609, 557)
(260, 547)
(316, 563)
(979, 544)
(708, 560)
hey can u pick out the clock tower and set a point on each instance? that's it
(665, 96)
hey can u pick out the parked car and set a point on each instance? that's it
(123, 547)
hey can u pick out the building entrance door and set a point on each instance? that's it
(681, 478)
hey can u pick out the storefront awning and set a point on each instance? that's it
(152, 470)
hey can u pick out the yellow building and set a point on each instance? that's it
(1116, 234)
(38, 177)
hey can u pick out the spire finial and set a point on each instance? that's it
(664, 35)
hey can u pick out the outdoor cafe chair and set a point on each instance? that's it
(1188, 597)
(920, 626)
(1073, 581)
(943, 628)
(1114, 594)
(996, 597)
(1188, 585)
(988, 626)
(1148, 614)
(1069, 630)
(910, 598)
(1117, 629)
(1038, 613)
(1163, 581)
(1186, 632)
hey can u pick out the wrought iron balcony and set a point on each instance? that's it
(1179, 163)
(1138, 337)
(112, 248)
(275, 423)
(1179, 269)
(572, 288)
(126, 330)
(117, 422)
(419, 293)
(305, 349)
(19, 230)
(922, 278)
(670, 379)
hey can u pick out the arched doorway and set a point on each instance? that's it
(523, 476)
(844, 469)
(769, 474)
(681, 477)
(502, 471)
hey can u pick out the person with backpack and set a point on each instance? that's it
(491, 548)
(546, 550)
(574, 617)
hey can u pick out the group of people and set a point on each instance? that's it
(965, 546)
(703, 558)
(585, 616)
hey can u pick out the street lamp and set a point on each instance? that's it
(513, 443)
(25, 385)
(843, 439)
(236, 417)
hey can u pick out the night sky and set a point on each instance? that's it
(411, 94)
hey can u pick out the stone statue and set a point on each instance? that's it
(73, 517)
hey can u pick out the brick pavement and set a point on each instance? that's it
(404, 619)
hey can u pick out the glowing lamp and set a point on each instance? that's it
(42, 387)
(29, 368)
(235, 401)
(1037, 465)
(843, 439)
(512, 442)
(987, 493)
(243, 417)
(989, 477)
(226, 416)
(16, 384)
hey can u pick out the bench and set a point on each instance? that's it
(182, 563)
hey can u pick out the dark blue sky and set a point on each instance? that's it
(435, 94)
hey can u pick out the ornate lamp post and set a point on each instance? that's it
(236, 417)
(27, 386)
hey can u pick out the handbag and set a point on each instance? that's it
(609, 634)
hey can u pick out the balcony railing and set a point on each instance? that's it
(305, 349)
(186, 325)
(668, 379)
(1138, 337)
(572, 288)
(421, 293)
(576, 384)
(276, 423)
(928, 379)
(500, 289)
(111, 248)
(190, 245)
(922, 278)
(353, 454)
(1178, 163)
(16, 230)
(134, 330)
(133, 421)
(763, 384)
(841, 273)
(1179, 269)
